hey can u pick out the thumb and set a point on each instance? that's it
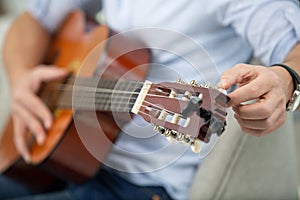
(233, 76)
(224, 83)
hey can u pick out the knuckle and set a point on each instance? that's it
(254, 90)
(269, 123)
(282, 119)
(256, 134)
(17, 96)
(244, 129)
(240, 65)
(36, 127)
(260, 134)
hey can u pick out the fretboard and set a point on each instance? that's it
(99, 95)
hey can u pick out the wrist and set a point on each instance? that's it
(15, 74)
(286, 80)
(292, 89)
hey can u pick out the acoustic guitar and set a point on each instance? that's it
(107, 85)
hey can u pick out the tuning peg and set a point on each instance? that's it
(163, 115)
(193, 83)
(200, 96)
(175, 118)
(187, 95)
(180, 80)
(173, 94)
(180, 137)
(196, 146)
(170, 139)
(171, 135)
(187, 139)
(159, 129)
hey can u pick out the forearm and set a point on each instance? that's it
(25, 46)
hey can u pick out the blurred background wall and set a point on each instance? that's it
(12, 6)
(8, 10)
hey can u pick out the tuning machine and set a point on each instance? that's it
(172, 135)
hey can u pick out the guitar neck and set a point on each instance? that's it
(94, 94)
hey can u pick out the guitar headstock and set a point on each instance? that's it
(188, 113)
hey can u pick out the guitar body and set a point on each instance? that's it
(64, 155)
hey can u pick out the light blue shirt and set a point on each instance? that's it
(193, 39)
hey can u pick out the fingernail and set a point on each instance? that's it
(222, 83)
(63, 70)
(40, 140)
(27, 158)
(48, 124)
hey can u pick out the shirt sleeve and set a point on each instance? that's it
(51, 13)
(271, 27)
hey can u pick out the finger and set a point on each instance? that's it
(20, 139)
(251, 91)
(249, 130)
(256, 124)
(34, 105)
(262, 126)
(32, 123)
(261, 108)
(234, 75)
(253, 132)
(48, 73)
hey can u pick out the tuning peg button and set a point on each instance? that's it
(160, 129)
(193, 83)
(180, 80)
(196, 146)
(163, 115)
(170, 139)
(173, 94)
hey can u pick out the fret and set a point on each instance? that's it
(103, 97)
(130, 101)
(107, 99)
(113, 95)
(126, 87)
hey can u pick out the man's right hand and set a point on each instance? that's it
(29, 113)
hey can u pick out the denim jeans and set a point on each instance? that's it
(105, 185)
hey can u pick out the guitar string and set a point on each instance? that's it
(97, 90)
(129, 105)
(106, 96)
(108, 93)
(156, 107)
(96, 82)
